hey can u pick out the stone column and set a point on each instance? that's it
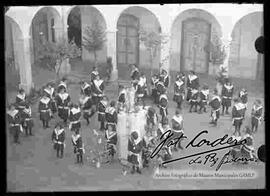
(24, 58)
(165, 52)
(111, 52)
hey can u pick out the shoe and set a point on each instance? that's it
(190, 111)
(211, 122)
(199, 112)
(227, 113)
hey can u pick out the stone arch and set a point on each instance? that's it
(243, 57)
(14, 54)
(45, 26)
(129, 23)
(197, 15)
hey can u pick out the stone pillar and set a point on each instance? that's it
(111, 52)
(165, 52)
(24, 58)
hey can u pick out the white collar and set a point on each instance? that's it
(110, 110)
(84, 100)
(58, 132)
(179, 83)
(21, 96)
(75, 138)
(104, 103)
(98, 82)
(45, 100)
(228, 87)
(194, 91)
(63, 96)
(257, 107)
(163, 96)
(85, 85)
(27, 110)
(205, 92)
(239, 106)
(13, 113)
(178, 119)
(216, 97)
(75, 110)
(110, 135)
(192, 77)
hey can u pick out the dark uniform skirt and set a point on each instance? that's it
(254, 121)
(202, 103)
(101, 117)
(133, 159)
(75, 126)
(178, 98)
(54, 107)
(237, 122)
(226, 102)
(63, 113)
(45, 115)
(188, 94)
(29, 123)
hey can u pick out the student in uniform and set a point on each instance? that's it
(74, 117)
(164, 78)
(85, 88)
(62, 101)
(154, 81)
(140, 92)
(49, 90)
(160, 90)
(94, 74)
(20, 101)
(148, 144)
(193, 99)
(163, 126)
(177, 127)
(163, 105)
(111, 137)
(58, 139)
(151, 118)
(14, 121)
(97, 90)
(44, 109)
(215, 104)
(134, 75)
(101, 112)
(204, 96)
(179, 92)
(243, 95)
(145, 84)
(192, 83)
(79, 150)
(27, 120)
(237, 115)
(87, 106)
(247, 149)
(122, 96)
(256, 115)
(227, 94)
(134, 152)
(111, 115)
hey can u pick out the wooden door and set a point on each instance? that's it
(127, 40)
(195, 37)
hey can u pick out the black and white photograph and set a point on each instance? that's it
(131, 97)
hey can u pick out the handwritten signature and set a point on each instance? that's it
(211, 156)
